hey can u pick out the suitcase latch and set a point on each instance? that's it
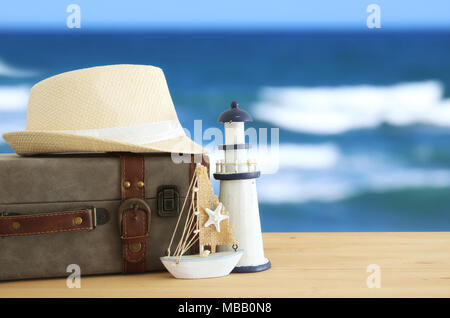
(168, 200)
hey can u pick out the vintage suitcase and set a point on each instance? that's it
(106, 213)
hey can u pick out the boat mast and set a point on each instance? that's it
(180, 249)
(197, 214)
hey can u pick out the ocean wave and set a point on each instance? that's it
(298, 156)
(13, 98)
(291, 188)
(334, 110)
(288, 156)
(280, 168)
(344, 176)
(11, 71)
(297, 188)
(294, 172)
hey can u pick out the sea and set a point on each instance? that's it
(363, 116)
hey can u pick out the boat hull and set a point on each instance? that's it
(194, 266)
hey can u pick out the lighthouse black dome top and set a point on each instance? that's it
(234, 114)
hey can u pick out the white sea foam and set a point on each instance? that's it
(11, 71)
(13, 98)
(289, 156)
(334, 110)
(301, 156)
(289, 187)
(13, 105)
(321, 172)
(348, 176)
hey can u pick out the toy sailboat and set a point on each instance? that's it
(206, 224)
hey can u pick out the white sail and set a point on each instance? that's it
(197, 228)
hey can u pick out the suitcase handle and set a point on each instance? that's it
(48, 223)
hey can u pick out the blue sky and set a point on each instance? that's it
(224, 14)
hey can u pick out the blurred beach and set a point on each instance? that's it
(364, 117)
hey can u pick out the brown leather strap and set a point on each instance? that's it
(134, 214)
(47, 223)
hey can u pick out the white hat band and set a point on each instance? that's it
(140, 134)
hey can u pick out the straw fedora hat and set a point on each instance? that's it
(112, 108)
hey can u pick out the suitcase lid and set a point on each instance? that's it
(79, 178)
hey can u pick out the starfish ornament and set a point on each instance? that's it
(215, 217)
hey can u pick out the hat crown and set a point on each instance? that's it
(100, 97)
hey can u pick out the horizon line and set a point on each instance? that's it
(212, 29)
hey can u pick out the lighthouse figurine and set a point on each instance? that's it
(237, 175)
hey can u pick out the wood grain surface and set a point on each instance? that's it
(303, 265)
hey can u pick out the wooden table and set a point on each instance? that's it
(303, 265)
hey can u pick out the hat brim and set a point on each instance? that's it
(40, 142)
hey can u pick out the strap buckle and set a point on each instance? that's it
(133, 204)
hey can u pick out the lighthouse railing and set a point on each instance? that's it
(236, 167)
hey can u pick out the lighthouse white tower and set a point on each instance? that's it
(237, 175)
